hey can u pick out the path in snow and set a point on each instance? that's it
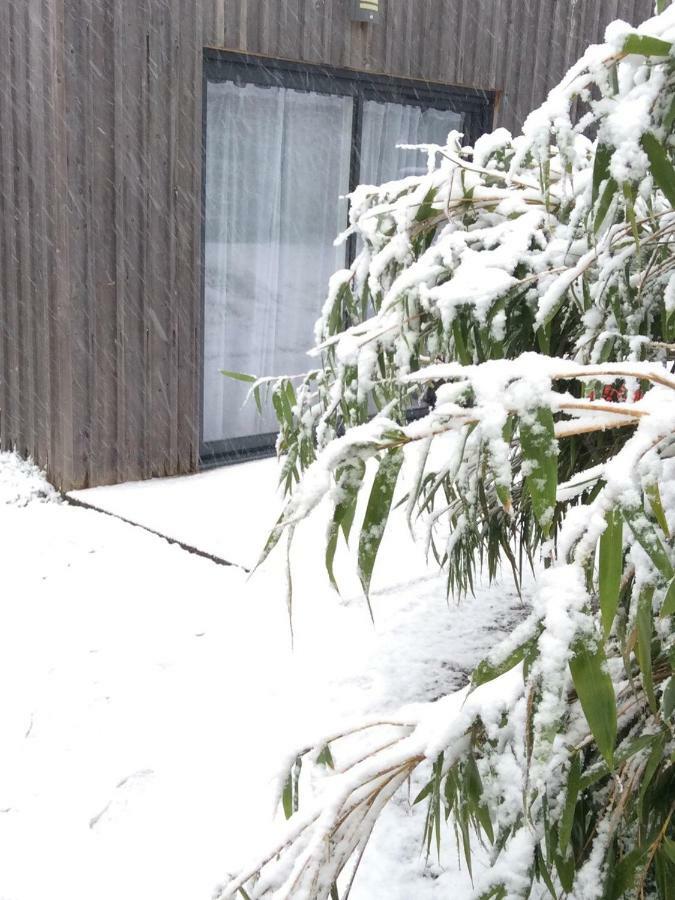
(149, 695)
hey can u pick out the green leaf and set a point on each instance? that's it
(566, 870)
(426, 790)
(538, 443)
(611, 568)
(287, 795)
(256, 397)
(669, 848)
(646, 535)
(349, 480)
(325, 758)
(653, 763)
(426, 210)
(377, 513)
(654, 496)
(668, 607)
(629, 193)
(543, 872)
(645, 45)
(283, 401)
(669, 120)
(643, 649)
(460, 343)
(603, 156)
(272, 540)
(486, 671)
(596, 694)
(567, 821)
(622, 876)
(610, 191)
(668, 702)
(661, 166)
(664, 871)
(239, 376)
(599, 770)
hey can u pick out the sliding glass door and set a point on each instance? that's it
(386, 125)
(277, 160)
(283, 147)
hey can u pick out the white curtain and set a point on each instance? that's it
(277, 161)
(387, 124)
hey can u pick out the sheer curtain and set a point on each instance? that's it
(277, 160)
(387, 124)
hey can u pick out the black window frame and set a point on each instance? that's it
(475, 104)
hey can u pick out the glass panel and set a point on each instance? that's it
(277, 161)
(387, 124)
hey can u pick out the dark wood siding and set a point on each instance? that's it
(100, 189)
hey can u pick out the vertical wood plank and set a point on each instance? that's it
(9, 276)
(65, 468)
(42, 412)
(187, 298)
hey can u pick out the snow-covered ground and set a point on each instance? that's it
(148, 695)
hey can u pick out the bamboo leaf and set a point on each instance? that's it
(668, 702)
(668, 607)
(643, 648)
(460, 343)
(567, 821)
(603, 156)
(623, 875)
(349, 481)
(596, 694)
(486, 671)
(272, 540)
(426, 790)
(611, 568)
(256, 397)
(645, 45)
(653, 763)
(664, 872)
(646, 535)
(629, 205)
(287, 795)
(661, 166)
(669, 120)
(654, 496)
(669, 848)
(426, 210)
(565, 869)
(325, 758)
(610, 191)
(599, 770)
(377, 513)
(539, 448)
(239, 376)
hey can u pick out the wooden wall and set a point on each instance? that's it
(100, 198)
(100, 189)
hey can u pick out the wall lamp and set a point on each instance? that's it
(366, 10)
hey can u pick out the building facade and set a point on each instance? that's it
(169, 182)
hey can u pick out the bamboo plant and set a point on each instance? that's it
(522, 294)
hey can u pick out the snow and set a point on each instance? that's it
(151, 696)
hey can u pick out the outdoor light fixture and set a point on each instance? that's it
(366, 10)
